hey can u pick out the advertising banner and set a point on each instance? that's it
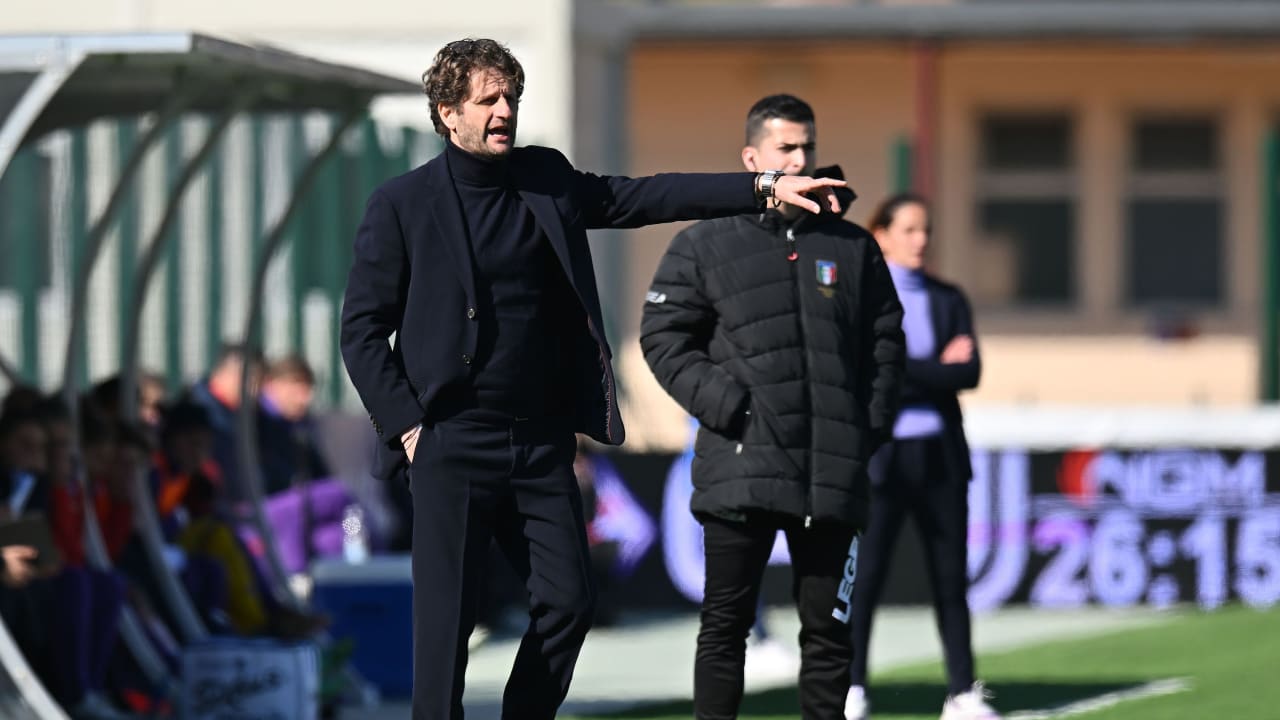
(1114, 527)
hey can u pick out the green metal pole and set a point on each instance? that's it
(409, 137)
(30, 238)
(126, 136)
(301, 237)
(258, 183)
(901, 163)
(334, 233)
(1270, 361)
(371, 170)
(214, 328)
(78, 228)
(173, 269)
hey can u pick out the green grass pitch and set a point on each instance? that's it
(1230, 658)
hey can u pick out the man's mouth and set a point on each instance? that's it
(500, 133)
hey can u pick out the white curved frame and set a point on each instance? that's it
(50, 78)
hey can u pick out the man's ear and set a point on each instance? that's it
(448, 115)
(749, 159)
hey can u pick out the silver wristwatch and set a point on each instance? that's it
(765, 189)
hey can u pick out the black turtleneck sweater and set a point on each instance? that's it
(525, 305)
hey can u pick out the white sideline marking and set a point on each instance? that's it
(1155, 688)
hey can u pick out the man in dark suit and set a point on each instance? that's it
(924, 471)
(478, 263)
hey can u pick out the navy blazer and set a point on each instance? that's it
(929, 380)
(413, 277)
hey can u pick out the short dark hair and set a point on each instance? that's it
(236, 352)
(13, 419)
(784, 107)
(889, 207)
(133, 436)
(184, 416)
(95, 428)
(51, 410)
(106, 394)
(292, 367)
(21, 398)
(448, 80)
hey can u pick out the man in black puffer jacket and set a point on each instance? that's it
(783, 336)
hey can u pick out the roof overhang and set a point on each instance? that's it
(131, 74)
(1005, 20)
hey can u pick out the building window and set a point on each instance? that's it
(1026, 211)
(1175, 214)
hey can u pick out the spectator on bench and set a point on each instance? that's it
(304, 506)
(86, 601)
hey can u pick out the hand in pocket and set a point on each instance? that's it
(410, 441)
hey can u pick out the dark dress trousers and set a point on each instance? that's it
(494, 461)
(926, 479)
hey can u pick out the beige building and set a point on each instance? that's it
(1097, 167)
(1097, 171)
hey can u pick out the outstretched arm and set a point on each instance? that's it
(623, 202)
(791, 189)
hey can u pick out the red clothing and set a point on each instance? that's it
(115, 519)
(171, 487)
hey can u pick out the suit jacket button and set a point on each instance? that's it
(466, 359)
(471, 313)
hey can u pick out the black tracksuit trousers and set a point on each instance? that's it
(736, 556)
(477, 477)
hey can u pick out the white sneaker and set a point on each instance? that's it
(970, 705)
(479, 636)
(856, 706)
(771, 660)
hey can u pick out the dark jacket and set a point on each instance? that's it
(288, 450)
(413, 276)
(38, 496)
(930, 381)
(226, 441)
(812, 346)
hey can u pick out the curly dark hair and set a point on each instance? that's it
(448, 80)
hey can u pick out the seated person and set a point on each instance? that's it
(187, 492)
(151, 391)
(81, 604)
(219, 394)
(24, 599)
(102, 444)
(23, 463)
(304, 506)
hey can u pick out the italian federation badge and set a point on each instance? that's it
(826, 272)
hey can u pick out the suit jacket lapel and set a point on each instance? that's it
(545, 213)
(551, 221)
(446, 211)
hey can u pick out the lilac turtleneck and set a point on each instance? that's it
(917, 419)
